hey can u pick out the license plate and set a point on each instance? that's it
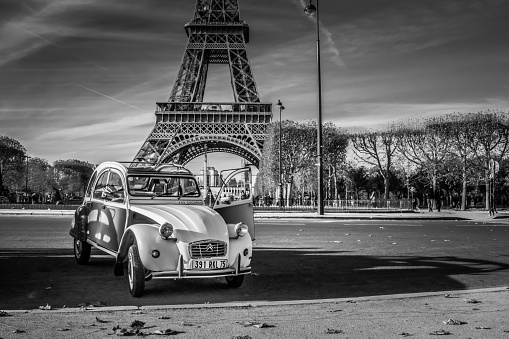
(209, 264)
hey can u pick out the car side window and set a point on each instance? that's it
(115, 188)
(101, 185)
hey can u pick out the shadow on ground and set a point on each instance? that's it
(37, 277)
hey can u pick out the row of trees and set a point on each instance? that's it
(23, 177)
(449, 155)
(453, 155)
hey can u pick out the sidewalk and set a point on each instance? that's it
(461, 314)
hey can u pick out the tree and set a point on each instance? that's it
(40, 178)
(377, 148)
(427, 145)
(335, 144)
(12, 154)
(73, 174)
(491, 130)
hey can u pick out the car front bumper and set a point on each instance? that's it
(182, 273)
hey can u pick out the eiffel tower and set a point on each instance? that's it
(186, 127)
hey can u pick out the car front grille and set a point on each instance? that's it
(207, 249)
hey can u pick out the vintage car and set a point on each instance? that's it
(152, 219)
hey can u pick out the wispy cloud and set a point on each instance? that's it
(107, 96)
(332, 48)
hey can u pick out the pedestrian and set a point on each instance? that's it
(415, 204)
(429, 198)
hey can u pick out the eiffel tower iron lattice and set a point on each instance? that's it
(186, 127)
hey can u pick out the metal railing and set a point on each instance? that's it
(29, 206)
(334, 205)
(273, 205)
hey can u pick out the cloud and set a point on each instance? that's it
(332, 49)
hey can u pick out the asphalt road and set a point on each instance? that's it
(292, 260)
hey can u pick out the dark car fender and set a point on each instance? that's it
(80, 226)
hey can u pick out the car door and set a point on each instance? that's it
(234, 201)
(107, 210)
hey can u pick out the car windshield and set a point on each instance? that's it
(162, 186)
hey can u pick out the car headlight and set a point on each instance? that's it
(241, 229)
(166, 230)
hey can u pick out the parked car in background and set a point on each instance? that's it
(4, 200)
(153, 218)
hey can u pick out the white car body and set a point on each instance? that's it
(166, 232)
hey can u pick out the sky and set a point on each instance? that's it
(79, 79)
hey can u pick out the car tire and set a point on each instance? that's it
(82, 251)
(235, 281)
(135, 272)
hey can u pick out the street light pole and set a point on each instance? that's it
(281, 107)
(310, 10)
(26, 179)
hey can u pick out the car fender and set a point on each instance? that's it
(147, 238)
(79, 224)
(237, 246)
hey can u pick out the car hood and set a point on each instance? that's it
(191, 222)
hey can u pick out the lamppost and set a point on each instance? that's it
(310, 10)
(26, 180)
(281, 107)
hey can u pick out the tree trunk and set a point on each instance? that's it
(464, 188)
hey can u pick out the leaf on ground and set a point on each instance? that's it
(472, 301)
(333, 331)
(168, 331)
(440, 332)
(453, 322)
(47, 307)
(263, 325)
(165, 317)
(18, 331)
(255, 324)
(242, 337)
(482, 328)
(4, 314)
(137, 324)
(101, 321)
(405, 334)
(63, 329)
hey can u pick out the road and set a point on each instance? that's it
(293, 259)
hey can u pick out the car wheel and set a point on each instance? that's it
(82, 251)
(235, 281)
(135, 272)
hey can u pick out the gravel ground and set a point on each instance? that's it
(462, 314)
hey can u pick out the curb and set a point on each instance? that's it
(267, 303)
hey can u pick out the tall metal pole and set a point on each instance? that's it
(26, 180)
(206, 177)
(319, 127)
(281, 107)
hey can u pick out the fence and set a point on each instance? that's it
(336, 205)
(28, 206)
(329, 206)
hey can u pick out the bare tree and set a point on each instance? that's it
(427, 145)
(491, 132)
(377, 148)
